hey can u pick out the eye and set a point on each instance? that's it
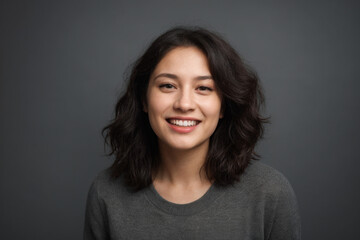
(204, 88)
(166, 86)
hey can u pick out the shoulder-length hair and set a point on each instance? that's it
(133, 142)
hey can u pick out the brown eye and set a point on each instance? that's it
(203, 88)
(167, 85)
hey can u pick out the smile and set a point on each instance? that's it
(182, 126)
(183, 123)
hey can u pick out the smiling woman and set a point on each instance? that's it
(183, 138)
(182, 101)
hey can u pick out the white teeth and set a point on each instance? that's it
(183, 123)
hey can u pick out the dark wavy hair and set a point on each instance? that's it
(133, 142)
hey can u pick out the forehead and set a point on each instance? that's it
(183, 60)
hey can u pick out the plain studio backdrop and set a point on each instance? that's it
(61, 71)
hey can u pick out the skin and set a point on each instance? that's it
(181, 87)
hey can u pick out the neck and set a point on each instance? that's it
(182, 167)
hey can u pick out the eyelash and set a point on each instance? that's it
(166, 85)
(204, 88)
(201, 88)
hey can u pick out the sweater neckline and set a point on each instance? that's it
(191, 208)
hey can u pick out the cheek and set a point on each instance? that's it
(157, 107)
(213, 109)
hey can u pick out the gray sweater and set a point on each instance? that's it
(262, 205)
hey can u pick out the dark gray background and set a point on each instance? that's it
(61, 70)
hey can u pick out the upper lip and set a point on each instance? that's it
(184, 118)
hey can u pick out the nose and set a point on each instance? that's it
(184, 101)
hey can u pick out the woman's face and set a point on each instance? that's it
(183, 103)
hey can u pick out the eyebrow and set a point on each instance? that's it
(173, 76)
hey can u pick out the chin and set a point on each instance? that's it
(184, 148)
(186, 145)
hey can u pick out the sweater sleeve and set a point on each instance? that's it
(95, 217)
(286, 223)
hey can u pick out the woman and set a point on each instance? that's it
(183, 139)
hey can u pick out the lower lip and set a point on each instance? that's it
(182, 129)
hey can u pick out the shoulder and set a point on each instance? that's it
(105, 186)
(270, 191)
(262, 179)
(261, 173)
(103, 178)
